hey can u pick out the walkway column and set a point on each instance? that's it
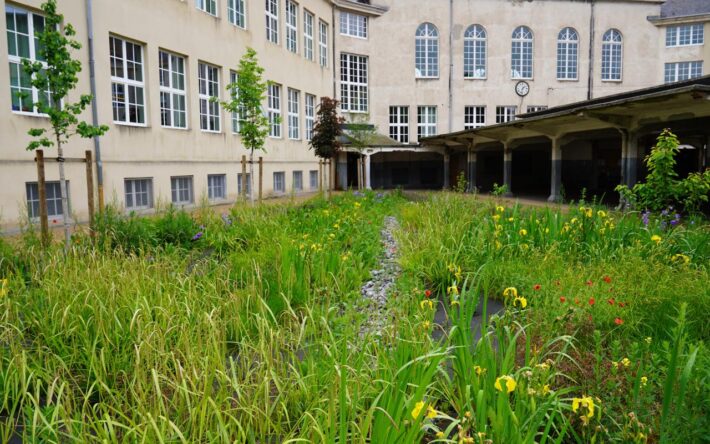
(631, 161)
(556, 171)
(447, 183)
(368, 184)
(624, 139)
(342, 166)
(507, 168)
(472, 171)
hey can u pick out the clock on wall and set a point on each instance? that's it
(522, 88)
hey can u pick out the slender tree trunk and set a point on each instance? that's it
(65, 199)
(251, 177)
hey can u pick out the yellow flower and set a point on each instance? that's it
(454, 302)
(644, 381)
(439, 435)
(478, 370)
(680, 258)
(417, 409)
(505, 383)
(453, 289)
(426, 325)
(543, 366)
(431, 412)
(574, 220)
(523, 232)
(345, 257)
(545, 389)
(331, 235)
(587, 404)
(520, 300)
(426, 303)
(3, 288)
(500, 209)
(498, 245)
(601, 213)
(614, 364)
(336, 226)
(510, 219)
(626, 362)
(467, 414)
(524, 246)
(588, 212)
(305, 236)
(357, 204)
(496, 217)
(656, 238)
(648, 340)
(510, 291)
(547, 230)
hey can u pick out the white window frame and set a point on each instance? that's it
(214, 186)
(279, 182)
(237, 13)
(172, 91)
(695, 33)
(272, 21)
(53, 202)
(354, 83)
(679, 71)
(426, 121)
(310, 115)
(506, 113)
(323, 43)
(177, 186)
(207, 6)
(239, 184)
(313, 179)
(128, 84)
(208, 82)
(308, 25)
(612, 52)
(474, 116)
(535, 108)
(426, 52)
(294, 115)
(129, 188)
(399, 123)
(522, 44)
(16, 61)
(273, 99)
(568, 54)
(236, 118)
(475, 63)
(353, 25)
(297, 179)
(292, 26)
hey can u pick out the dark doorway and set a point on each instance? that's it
(531, 170)
(408, 170)
(489, 169)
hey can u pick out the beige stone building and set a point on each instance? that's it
(412, 68)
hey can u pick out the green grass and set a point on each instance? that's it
(250, 331)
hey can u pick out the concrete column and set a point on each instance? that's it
(342, 166)
(368, 183)
(632, 153)
(447, 183)
(556, 171)
(508, 168)
(472, 172)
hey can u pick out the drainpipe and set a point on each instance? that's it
(333, 63)
(94, 105)
(590, 73)
(451, 64)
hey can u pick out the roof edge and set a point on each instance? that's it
(371, 10)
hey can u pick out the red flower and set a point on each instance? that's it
(618, 321)
(611, 301)
(622, 305)
(563, 299)
(607, 279)
(592, 301)
(589, 283)
(427, 293)
(537, 287)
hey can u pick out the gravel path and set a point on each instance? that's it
(376, 290)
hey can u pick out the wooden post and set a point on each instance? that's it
(90, 190)
(261, 177)
(42, 190)
(244, 176)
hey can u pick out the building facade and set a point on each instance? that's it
(413, 68)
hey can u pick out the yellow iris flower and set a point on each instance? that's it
(510, 291)
(520, 300)
(505, 383)
(500, 209)
(417, 409)
(656, 238)
(431, 412)
(523, 232)
(426, 303)
(587, 404)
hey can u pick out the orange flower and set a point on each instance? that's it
(537, 287)
(592, 301)
(618, 321)
(607, 279)
(427, 293)
(563, 299)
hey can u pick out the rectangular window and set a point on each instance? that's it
(505, 113)
(313, 175)
(298, 181)
(675, 72)
(308, 20)
(294, 118)
(216, 186)
(236, 116)
(173, 102)
(323, 42)
(181, 190)
(310, 115)
(535, 108)
(426, 121)
(353, 83)
(685, 35)
(272, 21)
(354, 25)
(127, 84)
(291, 26)
(22, 43)
(53, 197)
(474, 117)
(208, 6)
(399, 123)
(279, 182)
(139, 193)
(208, 79)
(274, 110)
(239, 184)
(237, 13)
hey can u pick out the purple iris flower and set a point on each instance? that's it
(197, 236)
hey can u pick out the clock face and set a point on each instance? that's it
(522, 88)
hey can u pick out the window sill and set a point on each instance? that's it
(134, 125)
(475, 78)
(568, 80)
(612, 80)
(426, 78)
(354, 36)
(175, 128)
(29, 114)
(685, 46)
(210, 131)
(521, 78)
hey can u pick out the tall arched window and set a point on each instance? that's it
(612, 55)
(426, 61)
(474, 52)
(522, 53)
(567, 52)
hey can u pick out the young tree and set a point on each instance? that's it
(246, 97)
(327, 129)
(54, 75)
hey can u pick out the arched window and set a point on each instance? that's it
(427, 51)
(474, 52)
(522, 53)
(612, 55)
(567, 53)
